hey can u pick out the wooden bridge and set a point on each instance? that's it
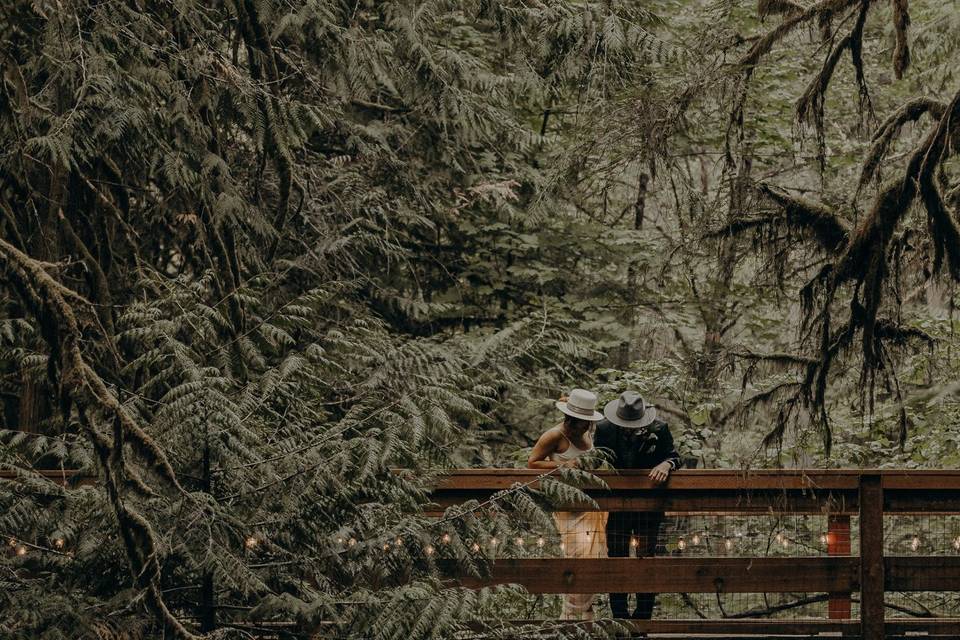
(865, 499)
(869, 497)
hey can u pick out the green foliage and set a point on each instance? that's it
(290, 248)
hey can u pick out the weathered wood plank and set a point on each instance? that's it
(687, 502)
(933, 627)
(670, 575)
(497, 479)
(919, 573)
(921, 500)
(700, 626)
(64, 477)
(682, 501)
(871, 557)
(923, 625)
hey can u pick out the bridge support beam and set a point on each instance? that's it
(871, 557)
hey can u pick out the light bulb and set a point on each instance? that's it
(494, 542)
(541, 541)
(915, 543)
(956, 543)
(12, 542)
(250, 542)
(823, 538)
(563, 547)
(681, 544)
(398, 541)
(339, 539)
(634, 542)
(785, 542)
(386, 546)
(445, 539)
(695, 539)
(519, 541)
(728, 543)
(58, 543)
(475, 547)
(352, 542)
(780, 538)
(429, 550)
(21, 550)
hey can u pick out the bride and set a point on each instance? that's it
(581, 532)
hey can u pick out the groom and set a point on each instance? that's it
(637, 440)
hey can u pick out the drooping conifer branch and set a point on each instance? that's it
(82, 387)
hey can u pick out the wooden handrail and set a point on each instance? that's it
(729, 492)
(715, 479)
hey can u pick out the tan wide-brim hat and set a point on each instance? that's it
(581, 404)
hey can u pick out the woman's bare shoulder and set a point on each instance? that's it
(553, 434)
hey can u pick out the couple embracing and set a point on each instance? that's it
(635, 439)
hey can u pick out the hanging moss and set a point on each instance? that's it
(888, 131)
(901, 50)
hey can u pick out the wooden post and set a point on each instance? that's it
(838, 544)
(871, 557)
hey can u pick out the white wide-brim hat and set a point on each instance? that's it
(630, 410)
(581, 404)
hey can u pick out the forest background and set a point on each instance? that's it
(257, 254)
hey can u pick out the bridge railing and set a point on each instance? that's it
(862, 498)
(860, 559)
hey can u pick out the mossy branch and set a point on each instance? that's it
(47, 299)
(824, 226)
(889, 129)
(778, 7)
(763, 46)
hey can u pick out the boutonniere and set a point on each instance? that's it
(647, 441)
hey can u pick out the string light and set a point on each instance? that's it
(681, 544)
(398, 542)
(563, 547)
(695, 539)
(250, 542)
(445, 539)
(824, 539)
(58, 543)
(339, 539)
(785, 542)
(541, 541)
(728, 544)
(352, 542)
(429, 550)
(519, 541)
(956, 543)
(915, 543)
(780, 538)
(494, 542)
(634, 542)
(386, 546)
(21, 550)
(12, 542)
(475, 547)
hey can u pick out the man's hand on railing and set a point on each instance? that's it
(661, 472)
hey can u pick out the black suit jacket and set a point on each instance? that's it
(642, 448)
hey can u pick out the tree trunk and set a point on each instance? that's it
(625, 355)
